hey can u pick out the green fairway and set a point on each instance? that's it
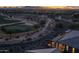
(4, 20)
(17, 28)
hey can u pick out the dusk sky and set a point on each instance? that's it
(64, 7)
(39, 2)
(50, 7)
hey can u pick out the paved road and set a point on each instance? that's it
(43, 31)
(10, 23)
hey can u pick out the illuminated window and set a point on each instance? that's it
(67, 48)
(53, 44)
(57, 45)
(61, 47)
(73, 50)
(50, 43)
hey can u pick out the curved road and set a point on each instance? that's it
(35, 36)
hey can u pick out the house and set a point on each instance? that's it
(71, 41)
(68, 42)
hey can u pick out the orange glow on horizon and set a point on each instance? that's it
(56, 6)
(61, 7)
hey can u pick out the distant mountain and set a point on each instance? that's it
(39, 8)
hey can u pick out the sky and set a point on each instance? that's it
(70, 4)
(65, 7)
(38, 2)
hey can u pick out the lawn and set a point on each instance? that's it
(4, 20)
(17, 28)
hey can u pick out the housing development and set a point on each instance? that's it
(30, 29)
